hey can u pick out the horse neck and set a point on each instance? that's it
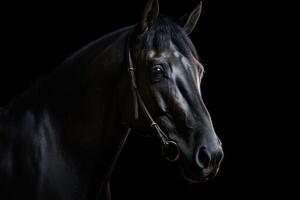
(93, 116)
(80, 99)
(102, 118)
(99, 69)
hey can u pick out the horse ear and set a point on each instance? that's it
(150, 14)
(189, 20)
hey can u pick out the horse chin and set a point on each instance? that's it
(192, 179)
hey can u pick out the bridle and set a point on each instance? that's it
(169, 147)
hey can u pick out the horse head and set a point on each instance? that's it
(166, 77)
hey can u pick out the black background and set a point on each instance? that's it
(231, 39)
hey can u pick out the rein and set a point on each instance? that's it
(169, 147)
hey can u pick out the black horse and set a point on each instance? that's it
(61, 138)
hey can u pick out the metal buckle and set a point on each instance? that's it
(171, 146)
(130, 69)
(153, 124)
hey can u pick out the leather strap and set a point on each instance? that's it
(138, 101)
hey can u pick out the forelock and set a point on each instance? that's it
(164, 32)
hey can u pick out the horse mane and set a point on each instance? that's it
(81, 57)
(90, 51)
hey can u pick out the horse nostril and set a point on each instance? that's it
(204, 157)
(219, 157)
(220, 142)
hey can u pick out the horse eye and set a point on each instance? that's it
(157, 69)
